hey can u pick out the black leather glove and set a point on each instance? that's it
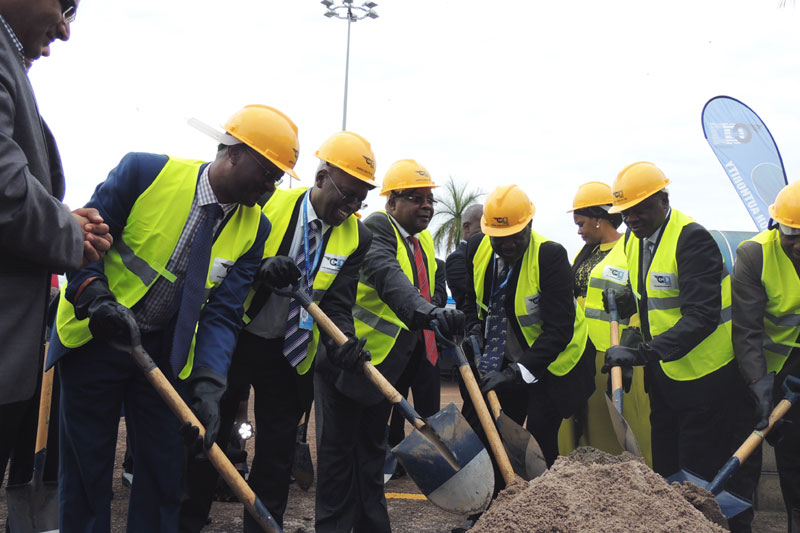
(500, 379)
(205, 389)
(626, 302)
(278, 271)
(109, 320)
(350, 355)
(624, 357)
(631, 337)
(627, 379)
(451, 322)
(191, 438)
(762, 393)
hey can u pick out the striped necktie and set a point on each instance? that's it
(424, 289)
(296, 339)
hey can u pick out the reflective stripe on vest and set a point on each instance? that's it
(373, 318)
(343, 241)
(664, 305)
(154, 225)
(782, 316)
(610, 273)
(526, 302)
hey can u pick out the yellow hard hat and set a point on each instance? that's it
(269, 132)
(591, 194)
(635, 183)
(350, 152)
(786, 209)
(507, 211)
(406, 174)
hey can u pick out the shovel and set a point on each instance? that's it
(33, 506)
(729, 504)
(515, 449)
(303, 467)
(215, 454)
(627, 440)
(443, 456)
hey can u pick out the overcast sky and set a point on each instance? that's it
(547, 95)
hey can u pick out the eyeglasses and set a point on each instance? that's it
(68, 10)
(269, 173)
(418, 199)
(348, 199)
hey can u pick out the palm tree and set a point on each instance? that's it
(453, 198)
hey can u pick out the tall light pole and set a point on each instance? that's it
(346, 10)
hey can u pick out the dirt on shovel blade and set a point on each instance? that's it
(592, 491)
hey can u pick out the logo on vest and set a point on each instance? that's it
(663, 281)
(615, 274)
(532, 303)
(332, 263)
(219, 269)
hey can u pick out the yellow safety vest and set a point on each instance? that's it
(782, 314)
(526, 302)
(140, 255)
(664, 305)
(373, 318)
(343, 241)
(610, 273)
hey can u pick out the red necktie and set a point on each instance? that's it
(424, 289)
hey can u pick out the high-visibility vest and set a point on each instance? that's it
(610, 273)
(526, 302)
(664, 305)
(782, 314)
(343, 241)
(140, 255)
(373, 317)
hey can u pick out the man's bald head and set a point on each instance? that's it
(471, 221)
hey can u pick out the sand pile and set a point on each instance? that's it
(592, 491)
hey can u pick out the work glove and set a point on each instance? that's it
(205, 389)
(451, 322)
(278, 271)
(762, 393)
(350, 355)
(109, 320)
(501, 379)
(627, 378)
(626, 302)
(623, 356)
(791, 388)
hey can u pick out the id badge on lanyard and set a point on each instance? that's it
(306, 322)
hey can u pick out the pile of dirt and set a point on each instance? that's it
(592, 491)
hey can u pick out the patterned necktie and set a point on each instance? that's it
(424, 289)
(493, 353)
(194, 282)
(296, 339)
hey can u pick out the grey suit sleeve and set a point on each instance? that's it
(34, 226)
(748, 303)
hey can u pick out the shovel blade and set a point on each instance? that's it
(523, 451)
(33, 508)
(389, 465)
(466, 490)
(729, 504)
(627, 440)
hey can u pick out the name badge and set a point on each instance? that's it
(615, 274)
(219, 269)
(332, 263)
(663, 281)
(306, 322)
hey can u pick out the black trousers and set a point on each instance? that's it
(351, 447)
(787, 454)
(281, 398)
(423, 379)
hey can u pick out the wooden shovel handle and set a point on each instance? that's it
(494, 404)
(616, 371)
(756, 437)
(45, 401)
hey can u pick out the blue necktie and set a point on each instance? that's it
(495, 348)
(194, 283)
(296, 339)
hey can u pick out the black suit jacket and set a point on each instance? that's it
(457, 273)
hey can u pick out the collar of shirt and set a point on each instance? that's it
(312, 215)
(205, 194)
(653, 239)
(14, 39)
(403, 233)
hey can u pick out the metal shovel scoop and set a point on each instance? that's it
(443, 456)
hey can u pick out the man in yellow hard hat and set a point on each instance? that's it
(766, 330)
(521, 312)
(394, 312)
(682, 291)
(188, 240)
(318, 242)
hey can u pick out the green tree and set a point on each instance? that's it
(453, 198)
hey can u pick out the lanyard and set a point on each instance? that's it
(309, 267)
(502, 286)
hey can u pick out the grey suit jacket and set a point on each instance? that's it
(38, 235)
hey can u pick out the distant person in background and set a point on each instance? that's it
(456, 261)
